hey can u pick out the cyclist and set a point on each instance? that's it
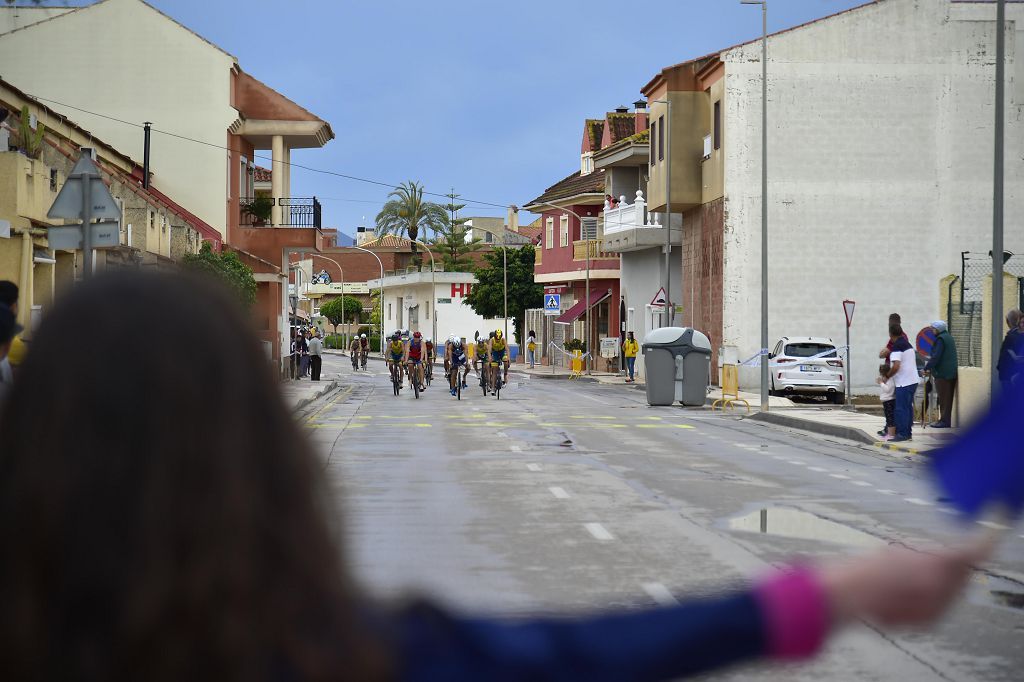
(364, 349)
(447, 362)
(354, 350)
(456, 358)
(497, 352)
(431, 355)
(480, 356)
(415, 351)
(395, 355)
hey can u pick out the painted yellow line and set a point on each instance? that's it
(683, 426)
(344, 393)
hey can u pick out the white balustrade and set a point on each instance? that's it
(623, 216)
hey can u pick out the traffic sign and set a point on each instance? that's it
(926, 341)
(552, 304)
(105, 234)
(68, 204)
(660, 298)
(848, 307)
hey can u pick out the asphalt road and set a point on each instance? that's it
(568, 496)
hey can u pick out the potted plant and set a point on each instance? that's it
(260, 209)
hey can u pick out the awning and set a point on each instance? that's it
(574, 313)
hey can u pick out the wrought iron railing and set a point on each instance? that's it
(295, 212)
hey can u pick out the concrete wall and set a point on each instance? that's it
(880, 166)
(641, 275)
(454, 315)
(689, 124)
(141, 67)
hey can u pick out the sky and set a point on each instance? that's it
(484, 97)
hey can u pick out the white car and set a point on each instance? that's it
(807, 366)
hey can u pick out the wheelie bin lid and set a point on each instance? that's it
(677, 337)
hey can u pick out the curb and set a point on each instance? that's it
(899, 447)
(302, 402)
(820, 428)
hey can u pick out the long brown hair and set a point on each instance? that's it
(161, 515)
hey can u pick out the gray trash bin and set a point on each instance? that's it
(677, 361)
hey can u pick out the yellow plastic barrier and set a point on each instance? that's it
(730, 389)
(577, 364)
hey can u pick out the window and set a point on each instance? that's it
(661, 139)
(718, 125)
(549, 233)
(563, 231)
(654, 140)
(53, 179)
(389, 311)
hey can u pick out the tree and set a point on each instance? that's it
(226, 267)
(406, 213)
(453, 240)
(339, 309)
(487, 296)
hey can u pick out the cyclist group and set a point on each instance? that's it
(359, 349)
(416, 356)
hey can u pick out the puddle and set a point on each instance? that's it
(800, 525)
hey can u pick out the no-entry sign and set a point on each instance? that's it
(926, 341)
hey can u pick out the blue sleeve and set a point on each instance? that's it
(933, 359)
(649, 644)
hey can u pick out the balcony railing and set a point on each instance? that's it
(623, 216)
(295, 212)
(580, 247)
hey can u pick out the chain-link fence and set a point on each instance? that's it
(965, 302)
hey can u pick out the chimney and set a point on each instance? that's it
(361, 235)
(512, 221)
(145, 154)
(622, 109)
(640, 118)
(640, 106)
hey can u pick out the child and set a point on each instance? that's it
(887, 392)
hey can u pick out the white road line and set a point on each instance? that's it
(501, 434)
(863, 484)
(886, 491)
(598, 531)
(841, 477)
(533, 467)
(917, 500)
(796, 462)
(779, 457)
(993, 525)
(559, 492)
(660, 594)
(515, 448)
(818, 469)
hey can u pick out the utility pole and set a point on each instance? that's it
(997, 196)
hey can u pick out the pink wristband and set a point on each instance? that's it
(796, 613)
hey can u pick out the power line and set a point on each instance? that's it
(345, 176)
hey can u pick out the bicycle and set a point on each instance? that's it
(498, 383)
(363, 358)
(428, 371)
(414, 377)
(454, 382)
(396, 377)
(355, 361)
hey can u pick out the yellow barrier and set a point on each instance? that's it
(577, 364)
(730, 389)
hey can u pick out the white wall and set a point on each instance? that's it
(880, 167)
(124, 59)
(641, 276)
(452, 318)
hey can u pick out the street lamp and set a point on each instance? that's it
(381, 263)
(997, 194)
(667, 130)
(586, 293)
(433, 285)
(342, 270)
(764, 199)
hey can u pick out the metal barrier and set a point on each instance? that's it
(730, 389)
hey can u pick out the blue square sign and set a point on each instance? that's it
(552, 304)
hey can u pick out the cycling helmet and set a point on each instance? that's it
(396, 335)
(497, 333)
(417, 335)
(362, 336)
(457, 343)
(492, 335)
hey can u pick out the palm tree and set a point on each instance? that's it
(406, 212)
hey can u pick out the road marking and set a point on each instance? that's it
(993, 525)
(779, 457)
(917, 500)
(863, 484)
(501, 434)
(683, 426)
(560, 493)
(796, 462)
(841, 477)
(886, 491)
(660, 594)
(533, 467)
(818, 469)
(515, 448)
(598, 531)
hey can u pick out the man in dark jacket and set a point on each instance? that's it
(1010, 353)
(942, 366)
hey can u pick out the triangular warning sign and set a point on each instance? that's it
(68, 204)
(660, 298)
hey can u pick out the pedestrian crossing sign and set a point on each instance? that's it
(552, 304)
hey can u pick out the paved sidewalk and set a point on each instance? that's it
(298, 394)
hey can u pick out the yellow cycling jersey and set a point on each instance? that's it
(497, 344)
(481, 349)
(396, 348)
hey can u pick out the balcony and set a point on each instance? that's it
(295, 212)
(580, 247)
(628, 227)
(537, 255)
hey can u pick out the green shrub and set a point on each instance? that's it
(575, 344)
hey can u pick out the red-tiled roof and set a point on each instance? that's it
(619, 126)
(593, 130)
(572, 186)
(387, 241)
(261, 174)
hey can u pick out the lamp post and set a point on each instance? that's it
(586, 293)
(764, 198)
(997, 196)
(504, 265)
(381, 263)
(667, 129)
(342, 270)
(433, 286)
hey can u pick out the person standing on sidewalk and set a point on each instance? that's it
(316, 349)
(1010, 352)
(942, 366)
(629, 351)
(903, 369)
(531, 347)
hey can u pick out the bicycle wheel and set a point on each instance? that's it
(458, 388)
(429, 371)
(395, 382)
(415, 381)
(497, 387)
(483, 379)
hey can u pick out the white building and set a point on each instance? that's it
(880, 142)
(411, 301)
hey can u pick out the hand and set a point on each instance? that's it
(900, 586)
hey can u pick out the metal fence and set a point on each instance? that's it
(966, 300)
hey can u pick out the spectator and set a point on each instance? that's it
(887, 394)
(316, 349)
(942, 366)
(629, 351)
(903, 370)
(894, 318)
(1011, 352)
(211, 553)
(9, 328)
(531, 347)
(16, 352)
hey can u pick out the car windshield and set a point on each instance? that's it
(806, 350)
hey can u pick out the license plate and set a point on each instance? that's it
(810, 368)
